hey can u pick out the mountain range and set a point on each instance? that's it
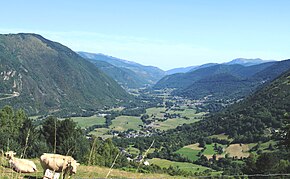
(42, 76)
(128, 74)
(223, 81)
(238, 61)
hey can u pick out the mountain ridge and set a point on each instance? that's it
(190, 83)
(148, 74)
(50, 77)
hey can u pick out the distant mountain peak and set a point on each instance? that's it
(247, 61)
(146, 75)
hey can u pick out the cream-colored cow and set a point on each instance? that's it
(59, 163)
(20, 165)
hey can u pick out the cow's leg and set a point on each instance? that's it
(63, 175)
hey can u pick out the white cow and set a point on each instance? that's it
(59, 163)
(20, 165)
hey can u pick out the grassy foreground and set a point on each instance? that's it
(83, 172)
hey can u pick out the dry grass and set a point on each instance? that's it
(194, 146)
(82, 172)
(238, 150)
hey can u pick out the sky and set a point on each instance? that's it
(163, 33)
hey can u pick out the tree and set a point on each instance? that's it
(65, 137)
(266, 163)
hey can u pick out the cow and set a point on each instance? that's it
(20, 165)
(59, 163)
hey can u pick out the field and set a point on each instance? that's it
(222, 137)
(190, 113)
(189, 167)
(89, 121)
(172, 123)
(123, 123)
(188, 153)
(238, 150)
(83, 172)
(157, 112)
(101, 132)
(194, 146)
(132, 150)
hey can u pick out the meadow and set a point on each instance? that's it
(83, 172)
(189, 167)
(84, 122)
(123, 123)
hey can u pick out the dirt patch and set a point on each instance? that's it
(238, 150)
(194, 146)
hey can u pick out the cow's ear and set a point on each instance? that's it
(78, 164)
(14, 153)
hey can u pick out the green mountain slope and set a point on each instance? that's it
(43, 76)
(148, 74)
(223, 81)
(252, 119)
(125, 77)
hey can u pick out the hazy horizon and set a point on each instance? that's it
(166, 34)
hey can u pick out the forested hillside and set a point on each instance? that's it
(223, 81)
(42, 76)
(261, 117)
(125, 77)
(145, 75)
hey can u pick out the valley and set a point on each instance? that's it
(209, 120)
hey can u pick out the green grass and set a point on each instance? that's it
(221, 137)
(89, 121)
(123, 123)
(172, 123)
(157, 112)
(190, 167)
(263, 146)
(83, 171)
(132, 150)
(210, 149)
(188, 153)
(101, 132)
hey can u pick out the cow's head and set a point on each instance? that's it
(73, 164)
(10, 154)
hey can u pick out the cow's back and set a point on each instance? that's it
(54, 162)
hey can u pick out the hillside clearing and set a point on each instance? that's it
(238, 150)
(188, 153)
(172, 123)
(194, 146)
(189, 167)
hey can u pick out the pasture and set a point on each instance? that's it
(158, 112)
(123, 123)
(222, 137)
(172, 123)
(238, 150)
(191, 151)
(83, 172)
(84, 122)
(133, 151)
(101, 132)
(189, 167)
(188, 153)
(194, 146)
